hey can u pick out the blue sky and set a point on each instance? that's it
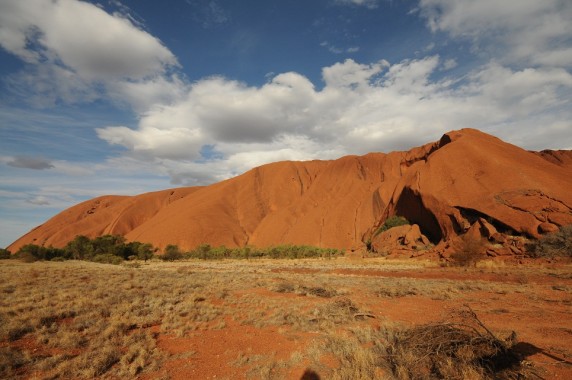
(124, 97)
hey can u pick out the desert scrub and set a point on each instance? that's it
(11, 359)
(558, 244)
(206, 252)
(468, 251)
(99, 316)
(79, 319)
(461, 348)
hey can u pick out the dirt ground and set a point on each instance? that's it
(257, 319)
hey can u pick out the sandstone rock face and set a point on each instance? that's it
(400, 238)
(445, 187)
(559, 157)
(472, 175)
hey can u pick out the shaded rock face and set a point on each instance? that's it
(466, 180)
(400, 238)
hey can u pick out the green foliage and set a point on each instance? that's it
(31, 252)
(110, 249)
(558, 244)
(392, 221)
(26, 256)
(113, 250)
(172, 253)
(143, 251)
(112, 244)
(206, 252)
(80, 248)
(107, 258)
(301, 252)
(5, 254)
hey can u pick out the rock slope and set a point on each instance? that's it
(445, 187)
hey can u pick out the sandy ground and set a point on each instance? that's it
(283, 319)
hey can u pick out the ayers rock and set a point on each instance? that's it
(448, 187)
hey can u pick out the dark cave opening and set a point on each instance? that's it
(410, 205)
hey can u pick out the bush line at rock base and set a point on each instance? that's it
(113, 249)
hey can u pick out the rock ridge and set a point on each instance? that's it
(466, 178)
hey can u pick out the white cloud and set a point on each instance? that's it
(350, 73)
(521, 92)
(143, 95)
(86, 39)
(524, 32)
(75, 51)
(361, 108)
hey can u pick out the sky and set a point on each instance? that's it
(130, 96)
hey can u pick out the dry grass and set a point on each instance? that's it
(88, 320)
(84, 320)
(468, 251)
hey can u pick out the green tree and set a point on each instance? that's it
(5, 254)
(80, 248)
(143, 251)
(29, 253)
(172, 253)
(203, 251)
(112, 244)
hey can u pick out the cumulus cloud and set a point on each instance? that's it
(72, 47)
(214, 128)
(527, 31)
(361, 108)
(26, 162)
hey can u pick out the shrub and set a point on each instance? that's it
(107, 258)
(453, 350)
(29, 253)
(84, 248)
(26, 257)
(11, 359)
(468, 251)
(172, 253)
(80, 248)
(143, 251)
(558, 244)
(5, 254)
(392, 221)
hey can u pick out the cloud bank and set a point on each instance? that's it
(214, 128)
(361, 108)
